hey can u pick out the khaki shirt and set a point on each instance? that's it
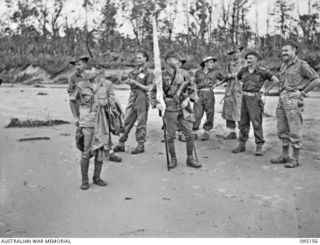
(296, 75)
(170, 84)
(253, 82)
(74, 80)
(139, 98)
(88, 95)
(203, 80)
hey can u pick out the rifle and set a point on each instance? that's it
(165, 139)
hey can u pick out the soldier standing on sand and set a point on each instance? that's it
(253, 78)
(140, 81)
(297, 78)
(178, 113)
(93, 95)
(205, 79)
(80, 63)
(232, 99)
(179, 65)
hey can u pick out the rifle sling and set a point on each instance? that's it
(172, 80)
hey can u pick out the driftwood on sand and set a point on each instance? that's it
(16, 123)
(34, 138)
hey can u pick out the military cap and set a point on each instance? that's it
(174, 54)
(230, 52)
(76, 59)
(205, 59)
(291, 43)
(253, 52)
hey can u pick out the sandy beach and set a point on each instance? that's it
(232, 195)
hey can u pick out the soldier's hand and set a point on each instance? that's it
(303, 95)
(185, 103)
(161, 108)
(130, 82)
(103, 102)
(263, 97)
(301, 102)
(196, 99)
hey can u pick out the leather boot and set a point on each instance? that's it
(205, 136)
(231, 136)
(191, 162)
(284, 158)
(114, 158)
(182, 138)
(119, 148)
(240, 148)
(259, 150)
(84, 166)
(294, 162)
(139, 149)
(96, 174)
(173, 158)
(280, 159)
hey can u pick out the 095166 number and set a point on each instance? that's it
(309, 240)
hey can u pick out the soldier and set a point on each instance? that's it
(140, 81)
(80, 63)
(253, 78)
(297, 78)
(92, 96)
(178, 112)
(232, 99)
(205, 79)
(179, 65)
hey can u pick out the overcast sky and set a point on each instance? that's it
(75, 13)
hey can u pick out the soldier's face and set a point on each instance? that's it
(210, 64)
(237, 54)
(174, 62)
(80, 65)
(140, 59)
(288, 52)
(90, 73)
(251, 59)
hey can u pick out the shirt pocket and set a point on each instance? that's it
(86, 96)
(294, 78)
(141, 78)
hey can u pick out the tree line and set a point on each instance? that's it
(35, 32)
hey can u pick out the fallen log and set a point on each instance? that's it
(34, 138)
(16, 123)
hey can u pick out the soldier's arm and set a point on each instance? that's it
(110, 91)
(153, 96)
(313, 84)
(238, 75)
(274, 81)
(74, 105)
(194, 95)
(307, 72)
(147, 87)
(197, 80)
(71, 85)
(222, 78)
